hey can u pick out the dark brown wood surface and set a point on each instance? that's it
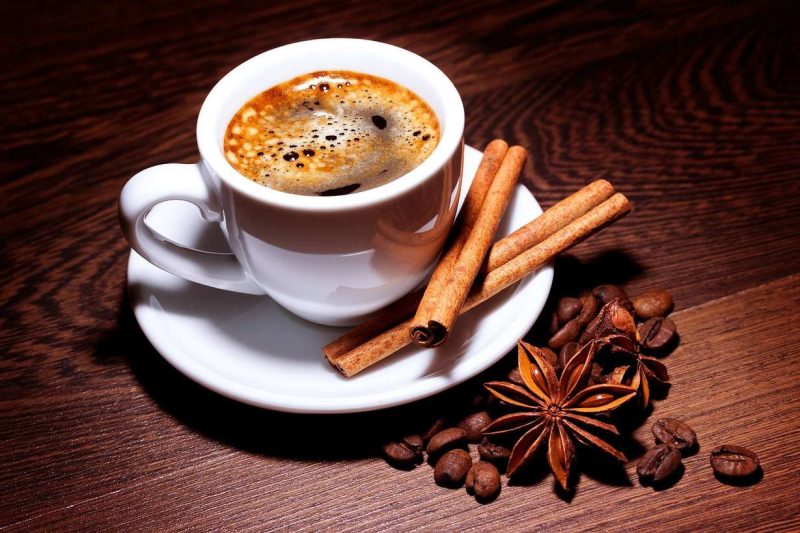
(691, 108)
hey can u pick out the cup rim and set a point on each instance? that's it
(448, 145)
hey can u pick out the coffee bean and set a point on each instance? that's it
(675, 433)
(606, 293)
(494, 453)
(483, 480)
(414, 442)
(447, 439)
(474, 424)
(589, 332)
(550, 355)
(435, 427)
(567, 309)
(566, 353)
(658, 463)
(569, 332)
(653, 303)
(515, 377)
(657, 334)
(730, 461)
(399, 455)
(554, 324)
(589, 307)
(452, 468)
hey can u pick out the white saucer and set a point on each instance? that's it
(252, 350)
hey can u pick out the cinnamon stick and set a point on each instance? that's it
(446, 293)
(548, 223)
(400, 310)
(493, 156)
(389, 316)
(532, 233)
(395, 338)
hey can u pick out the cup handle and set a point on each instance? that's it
(178, 182)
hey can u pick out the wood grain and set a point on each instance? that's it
(746, 331)
(690, 108)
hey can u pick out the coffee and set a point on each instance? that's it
(675, 433)
(329, 133)
(658, 464)
(483, 480)
(729, 462)
(451, 469)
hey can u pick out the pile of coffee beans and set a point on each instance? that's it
(575, 319)
(462, 456)
(449, 451)
(662, 463)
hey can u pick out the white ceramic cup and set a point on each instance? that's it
(331, 260)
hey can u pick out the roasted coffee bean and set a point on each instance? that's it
(675, 433)
(515, 377)
(569, 332)
(657, 334)
(550, 355)
(591, 329)
(589, 308)
(437, 425)
(474, 424)
(566, 353)
(400, 455)
(452, 468)
(554, 324)
(658, 463)
(414, 442)
(447, 439)
(567, 309)
(483, 480)
(494, 453)
(653, 303)
(730, 461)
(606, 293)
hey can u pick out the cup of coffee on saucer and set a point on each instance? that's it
(333, 168)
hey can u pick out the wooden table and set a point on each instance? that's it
(692, 109)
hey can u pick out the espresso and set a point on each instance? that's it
(331, 133)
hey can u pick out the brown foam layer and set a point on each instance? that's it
(328, 133)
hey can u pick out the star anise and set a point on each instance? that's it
(556, 411)
(616, 329)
